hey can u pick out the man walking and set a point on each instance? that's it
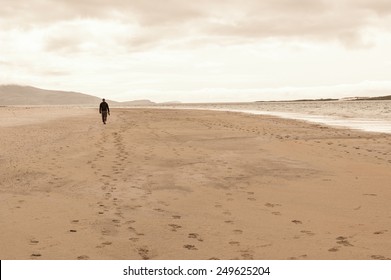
(104, 110)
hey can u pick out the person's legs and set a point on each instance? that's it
(104, 116)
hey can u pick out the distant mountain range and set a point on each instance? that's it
(27, 95)
(142, 102)
(387, 97)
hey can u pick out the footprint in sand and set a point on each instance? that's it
(308, 232)
(134, 239)
(174, 227)
(190, 247)
(343, 241)
(132, 229)
(271, 205)
(144, 253)
(238, 231)
(161, 202)
(297, 222)
(34, 242)
(334, 249)
(83, 257)
(234, 243)
(195, 236)
(177, 217)
(380, 232)
(247, 256)
(298, 258)
(119, 214)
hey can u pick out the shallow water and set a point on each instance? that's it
(373, 116)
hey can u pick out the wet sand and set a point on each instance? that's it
(183, 184)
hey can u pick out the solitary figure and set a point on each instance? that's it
(104, 110)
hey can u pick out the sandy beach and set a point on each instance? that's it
(189, 184)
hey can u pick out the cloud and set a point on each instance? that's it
(380, 7)
(298, 20)
(230, 21)
(80, 35)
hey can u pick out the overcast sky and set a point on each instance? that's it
(198, 51)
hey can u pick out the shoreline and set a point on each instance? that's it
(375, 125)
(188, 184)
(371, 125)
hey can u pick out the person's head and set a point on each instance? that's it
(103, 100)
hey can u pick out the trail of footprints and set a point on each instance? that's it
(246, 253)
(230, 221)
(330, 143)
(109, 210)
(108, 207)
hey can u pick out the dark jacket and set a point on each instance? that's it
(104, 107)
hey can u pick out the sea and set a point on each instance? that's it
(370, 116)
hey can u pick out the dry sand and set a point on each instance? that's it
(182, 184)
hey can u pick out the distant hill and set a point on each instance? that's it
(137, 103)
(388, 97)
(26, 95)
(170, 103)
